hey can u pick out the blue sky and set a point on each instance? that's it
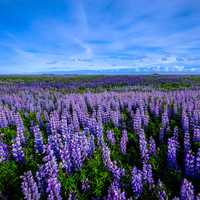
(63, 35)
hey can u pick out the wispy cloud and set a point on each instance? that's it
(81, 34)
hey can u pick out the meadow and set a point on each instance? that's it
(100, 137)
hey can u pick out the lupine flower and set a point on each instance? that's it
(187, 190)
(111, 166)
(48, 172)
(3, 152)
(172, 153)
(137, 183)
(99, 134)
(17, 150)
(187, 144)
(66, 158)
(189, 163)
(143, 145)
(29, 187)
(165, 119)
(185, 121)
(147, 174)
(137, 121)
(115, 193)
(196, 134)
(54, 189)
(115, 116)
(39, 146)
(152, 146)
(197, 164)
(123, 142)
(111, 137)
(20, 134)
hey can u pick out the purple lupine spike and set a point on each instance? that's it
(115, 117)
(123, 142)
(47, 175)
(165, 119)
(51, 165)
(111, 166)
(115, 193)
(152, 146)
(187, 190)
(197, 164)
(147, 174)
(111, 137)
(185, 121)
(3, 152)
(172, 153)
(29, 187)
(91, 147)
(20, 133)
(54, 189)
(55, 142)
(17, 150)
(3, 119)
(189, 163)
(99, 134)
(137, 121)
(143, 145)
(39, 146)
(196, 134)
(187, 144)
(76, 152)
(66, 159)
(137, 183)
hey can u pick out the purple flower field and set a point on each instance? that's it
(110, 138)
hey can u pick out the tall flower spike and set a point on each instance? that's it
(143, 145)
(17, 150)
(39, 146)
(123, 142)
(111, 137)
(172, 153)
(53, 189)
(115, 193)
(29, 187)
(137, 183)
(152, 146)
(197, 164)
(187, 190)
(189, 164)
(3, 152)
(147, 174)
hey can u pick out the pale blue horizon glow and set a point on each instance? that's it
(69, 35)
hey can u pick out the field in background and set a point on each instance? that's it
(100, 137)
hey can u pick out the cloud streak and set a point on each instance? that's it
(105, 34)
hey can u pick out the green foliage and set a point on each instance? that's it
(9, 134)
(174, 86)
(10, 180)
(93, 169)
